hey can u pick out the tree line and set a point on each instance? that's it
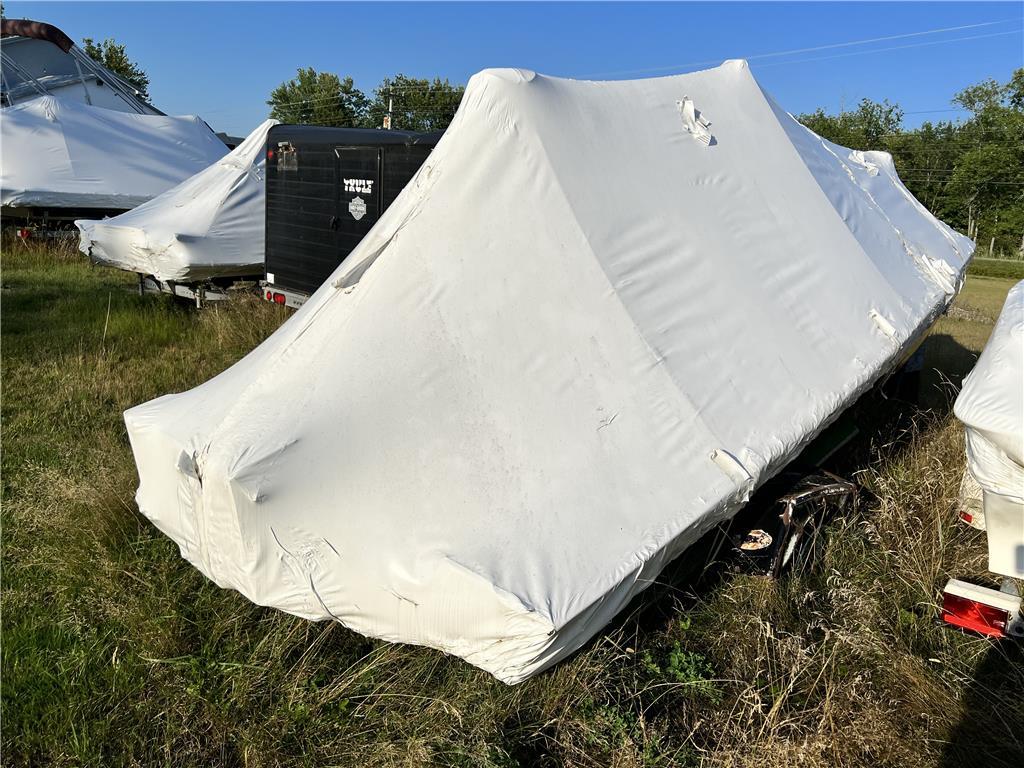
(969, 172)
(324, 98)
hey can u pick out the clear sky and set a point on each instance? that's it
(221, 60)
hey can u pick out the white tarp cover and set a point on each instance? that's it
(211, 225)
(991, 406)
(57, 153)
(585, 331)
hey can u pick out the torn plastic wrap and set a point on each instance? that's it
(57, 153)
(991, 406)
(577, 341)
(211, 225)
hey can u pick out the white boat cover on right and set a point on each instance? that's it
(597, 318)
(991, 406)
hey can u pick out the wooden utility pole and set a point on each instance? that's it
(387, 117)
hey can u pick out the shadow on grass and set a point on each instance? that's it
(946, 363)
(988, 735)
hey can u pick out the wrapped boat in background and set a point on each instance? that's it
(210, 225)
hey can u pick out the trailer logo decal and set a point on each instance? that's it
(357, 208)
(361, 186)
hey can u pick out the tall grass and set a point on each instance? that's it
(116, 652)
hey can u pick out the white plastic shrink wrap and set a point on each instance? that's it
(598, 317)
(211, 225)
(991, 406)
(61, 153)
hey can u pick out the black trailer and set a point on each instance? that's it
(326, 188)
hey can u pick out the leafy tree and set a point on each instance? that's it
(1015, 91)
(976, 98)
(113, 56)
(923, 158)
(318, 98)
(416, 105)
(988, 177)
(866, 127)
(323, 98)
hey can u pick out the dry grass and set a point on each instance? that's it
(115, 652)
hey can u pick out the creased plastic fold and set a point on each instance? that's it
(577, 341)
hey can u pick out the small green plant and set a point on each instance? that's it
(684, 668)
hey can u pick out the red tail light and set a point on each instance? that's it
(973, 615)
(270, 295)
(279, 298)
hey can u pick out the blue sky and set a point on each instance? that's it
(221, 60)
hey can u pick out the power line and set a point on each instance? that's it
(953, 141)
(303, 102)
(965, 132)
(942, 169)
(951, 150)
(919, 174)
(454, 97)
(933, 169)
(893, 48)
(943, 176)
(972, 183)
(794, 51)
(987, 131)
(416, 87)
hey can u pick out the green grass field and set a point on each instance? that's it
(116, 652)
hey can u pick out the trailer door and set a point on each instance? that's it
(359, 195)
